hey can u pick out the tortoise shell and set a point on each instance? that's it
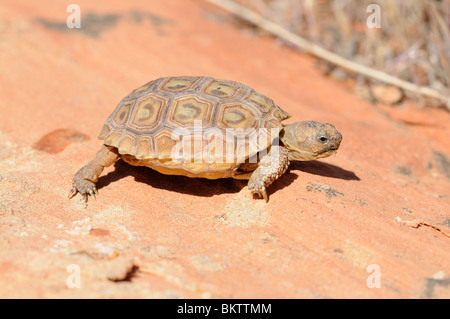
(147, 124)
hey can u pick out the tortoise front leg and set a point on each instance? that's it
(84, 180)
(270, 167)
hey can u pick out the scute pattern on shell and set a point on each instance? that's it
(142, 124)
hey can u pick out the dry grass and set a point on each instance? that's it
(412, 43)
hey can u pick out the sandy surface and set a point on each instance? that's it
(380, 207)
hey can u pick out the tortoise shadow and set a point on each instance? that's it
(324, 169)
(207, 187)
(180, 184)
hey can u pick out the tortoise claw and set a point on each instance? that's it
(92, 193)
(264, 195)
(72, 192)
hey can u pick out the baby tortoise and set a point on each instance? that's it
(221, 129)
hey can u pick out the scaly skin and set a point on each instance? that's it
(85, 179)
(270, 167)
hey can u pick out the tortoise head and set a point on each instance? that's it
(310, 140)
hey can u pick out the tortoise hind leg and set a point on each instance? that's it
(85, 179)
(270, 167)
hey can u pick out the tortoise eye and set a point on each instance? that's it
(323, 139)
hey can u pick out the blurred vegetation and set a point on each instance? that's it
(412, 43)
